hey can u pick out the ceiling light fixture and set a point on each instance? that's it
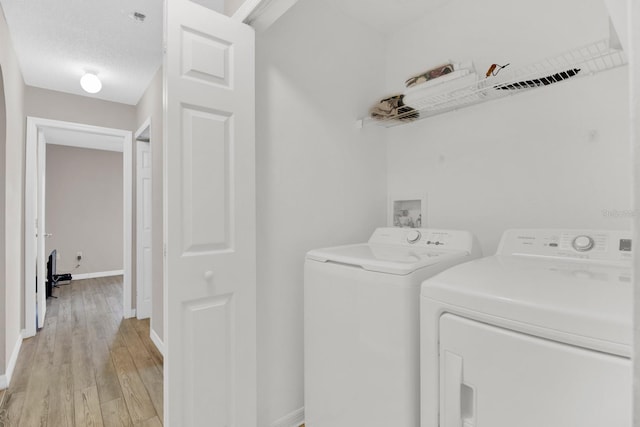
(90, 83)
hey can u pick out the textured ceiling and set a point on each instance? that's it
(57, 41)
(386, 16)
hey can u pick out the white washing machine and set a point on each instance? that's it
(538, 335)
(361, 330)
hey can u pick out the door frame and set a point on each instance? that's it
(37, 126)
(139, 283)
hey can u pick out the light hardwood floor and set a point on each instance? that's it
(87, 366)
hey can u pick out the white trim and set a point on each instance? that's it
(261, 14)
(36, 125)
(145, 125)
(127, 212)
(294, 419)
(105, 144)
(82, 276)
(30, 245)
(247, 8)
(157, 341)
(5, 379)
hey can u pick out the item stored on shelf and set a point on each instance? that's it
(431, 94)
(543, 81)
(453, 91)
(393, 108)
(492, 69)
(433, 73)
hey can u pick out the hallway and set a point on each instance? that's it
(87, 366)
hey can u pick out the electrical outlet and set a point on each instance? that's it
(79, 256)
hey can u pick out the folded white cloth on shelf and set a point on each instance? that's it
(463, 86)
(442, 79)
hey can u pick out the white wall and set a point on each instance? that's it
(150, 105)
(320, 181)
(553, 157)
(11, 202)
(84, 208)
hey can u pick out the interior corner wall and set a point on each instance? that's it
(553, 157)
(320, 180)
(84, 208)
(11, 201)
(150, 106)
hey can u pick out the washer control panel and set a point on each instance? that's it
(424, 238)
(583, 243)
(603, 245)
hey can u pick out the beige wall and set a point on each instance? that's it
(49, 104)
(84, 208)
(11, 200)
(150, 106)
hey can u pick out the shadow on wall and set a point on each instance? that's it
(3, 149)
(3, 116)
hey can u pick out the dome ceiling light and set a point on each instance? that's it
(91, 83)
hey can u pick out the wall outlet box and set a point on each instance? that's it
(79, 256)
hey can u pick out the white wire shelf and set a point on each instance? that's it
(580, 62)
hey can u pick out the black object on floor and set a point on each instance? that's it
(52, 277)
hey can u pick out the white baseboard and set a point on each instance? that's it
(157, 341)
(5, 379)
(129, 314)
(97, 274)
(294, 419)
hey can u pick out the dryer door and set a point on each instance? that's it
(493, 377)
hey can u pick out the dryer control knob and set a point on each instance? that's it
(413, 236)
(583, 243)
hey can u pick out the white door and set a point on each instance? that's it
(41, 298)
(209, 228)
(31, 233)
(143, 230)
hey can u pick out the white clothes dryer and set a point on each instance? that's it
(537, 335)
(361, 330)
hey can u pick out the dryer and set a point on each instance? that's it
(361, 330)
(537, 335)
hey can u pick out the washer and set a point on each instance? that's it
(537, 335)
(361, 330)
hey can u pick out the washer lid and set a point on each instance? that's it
(384, 258)
(585, 304)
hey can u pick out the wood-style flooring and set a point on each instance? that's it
(87, 366)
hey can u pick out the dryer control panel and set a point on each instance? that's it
(593, 245)
(444, 240)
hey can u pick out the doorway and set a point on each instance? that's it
(143, 221)
(105, 138)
